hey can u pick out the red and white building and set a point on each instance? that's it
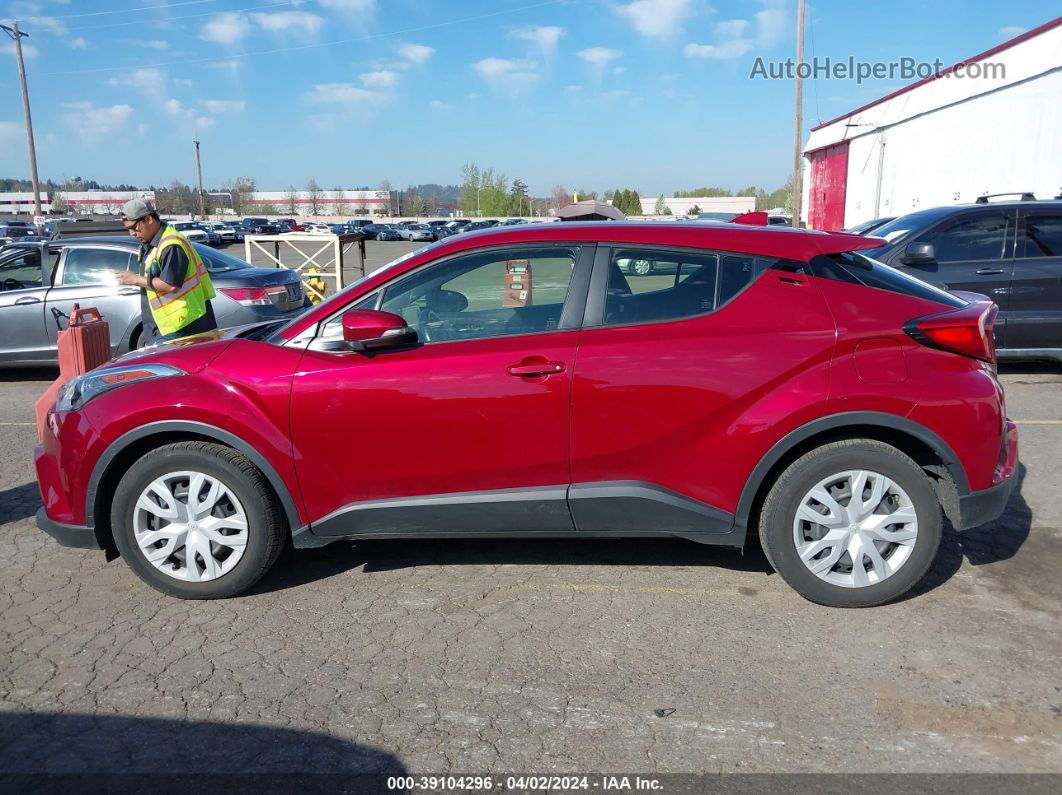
(89, 202)
(944, 140)
(329, 202)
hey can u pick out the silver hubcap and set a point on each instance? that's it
(855, 528)
(190, 526)
(642, 267)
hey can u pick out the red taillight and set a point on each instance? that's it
(247, 296)
(968, 331)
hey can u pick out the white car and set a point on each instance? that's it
(226, 233)
(318, 229)
(191, 230)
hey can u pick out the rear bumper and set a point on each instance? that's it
(68, 535)
(980, 507)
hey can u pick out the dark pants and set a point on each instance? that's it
(205, 323)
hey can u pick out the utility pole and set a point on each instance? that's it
(199, 174)
(17, 35)
(798, 138)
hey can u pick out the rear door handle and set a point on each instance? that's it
(988, 271)
(27, 299)
(129, 291)
(536, 369)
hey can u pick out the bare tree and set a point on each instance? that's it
(337, 197)
(560, 197)
(315, 196)
(291, 200)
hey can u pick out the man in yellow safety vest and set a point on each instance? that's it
(175, 301)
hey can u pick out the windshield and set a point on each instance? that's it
(217, 262)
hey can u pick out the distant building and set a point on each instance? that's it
(89, 202)
(329, 202)
(713, 204)
(945, 139)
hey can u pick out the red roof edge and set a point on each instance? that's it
(1054, 23)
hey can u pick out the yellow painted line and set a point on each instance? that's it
(31, 424)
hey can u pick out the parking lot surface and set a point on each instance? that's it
(536, 656)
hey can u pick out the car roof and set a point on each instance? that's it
(768, 241)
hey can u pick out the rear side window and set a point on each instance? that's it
(855, 268)
(1043, 236)
(980, 238)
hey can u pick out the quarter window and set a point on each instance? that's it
(21, 272)
(980, 238)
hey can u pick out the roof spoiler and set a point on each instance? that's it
(1026, 196)
(755, 219)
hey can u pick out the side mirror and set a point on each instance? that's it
(369, 330)
(919, 254)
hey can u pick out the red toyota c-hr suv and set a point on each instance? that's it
(581, 380)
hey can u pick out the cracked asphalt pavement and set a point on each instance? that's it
(524, 656)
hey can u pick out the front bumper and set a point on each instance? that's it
(68, 535)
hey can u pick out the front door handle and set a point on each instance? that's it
(536, 369)
(27, 299)
(129, 291)
(988, 271)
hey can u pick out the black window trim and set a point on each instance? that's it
(574, 302)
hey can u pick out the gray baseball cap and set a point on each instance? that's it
(135, 209)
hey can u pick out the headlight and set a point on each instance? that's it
(76, 393)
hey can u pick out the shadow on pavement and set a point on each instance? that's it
(19, 502)
(298, 567)
(990, 543)
(29, 374)
(78, 752)
(1030, 368)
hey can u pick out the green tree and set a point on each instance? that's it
(698, 193)
(413, 203)
(694, 210)
(661, 206)
(518, 198)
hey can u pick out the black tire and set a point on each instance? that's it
(776, 525)
(267, 527)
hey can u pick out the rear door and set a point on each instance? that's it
(24, 283)
(1036, 290)
(86, 277)
(974, 252)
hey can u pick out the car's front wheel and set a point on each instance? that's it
(854, 523)
(197, 520)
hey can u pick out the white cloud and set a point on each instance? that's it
(545, 37)
(150, 81)
(203, 123)
(289, 21)
(658, 19)
(732, 28)
(381, 79)
(78, 43)
(573, 90)
(417, 54)
(351, 6)
(224, 105)
(28, 50)
(772, 24)
(440, 105)
(47, 24)
(226, 28)
(617, 94)
(619, 71)
(599, 56)
(719, 52)
(173, 107)
(1010, 31)
(507, 76)
(96, 125)
(10, 132)
(142, 129)
(342, 94)
(153, 44)
(182, 82)
(228, 66)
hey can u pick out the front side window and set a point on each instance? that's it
(495, 293)
(1043, 236)
(21, 272)
(656, 285)
(980, 238)
(93, 265)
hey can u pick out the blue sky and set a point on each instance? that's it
(592, 94)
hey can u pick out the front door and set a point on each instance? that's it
(829, 187)
(1036, 289)
(466, 431)
(23, 288)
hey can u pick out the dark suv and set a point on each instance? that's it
(259, 226)
(1010, 251)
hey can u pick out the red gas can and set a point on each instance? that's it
(84, 345)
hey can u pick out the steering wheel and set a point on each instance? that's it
(12, 284)
(433, 327)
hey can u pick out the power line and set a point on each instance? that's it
(275, 51)
(133, 10)
(275, 4)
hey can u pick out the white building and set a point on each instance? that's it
(329, 202)
(992, 124)
(714, 204)
(87, 202)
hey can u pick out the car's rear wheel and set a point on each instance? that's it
(854, 523)
(197, 521)
(641, 267)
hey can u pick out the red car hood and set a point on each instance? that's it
(191, 354)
